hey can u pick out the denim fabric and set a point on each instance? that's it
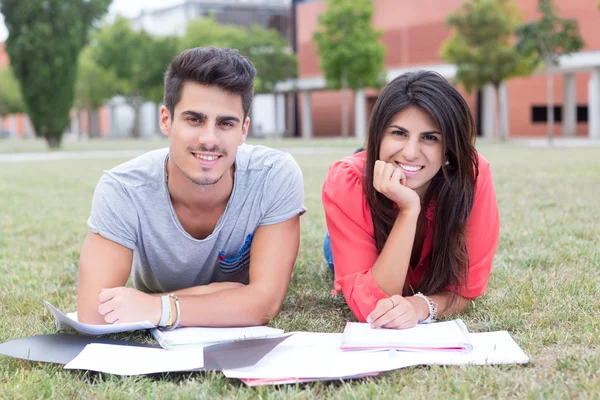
(327, 251)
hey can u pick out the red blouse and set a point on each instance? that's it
(353, 239)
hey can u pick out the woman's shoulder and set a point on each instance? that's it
(348, 171)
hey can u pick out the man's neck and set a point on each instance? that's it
(186, 193)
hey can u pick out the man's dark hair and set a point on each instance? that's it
(210, 66)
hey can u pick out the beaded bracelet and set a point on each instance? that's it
(432, 308)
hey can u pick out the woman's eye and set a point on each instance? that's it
(399, 133)
(432, 138)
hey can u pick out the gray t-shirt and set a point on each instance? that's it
(132, 207)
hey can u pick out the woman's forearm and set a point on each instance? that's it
(389, 271)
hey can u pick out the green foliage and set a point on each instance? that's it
(268, 51)
(547, 38)
(44, 42)
(350, 52)
(95, 85)
(481, 44)
(137, 61)
(11, 100)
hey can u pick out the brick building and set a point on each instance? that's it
(413, 34)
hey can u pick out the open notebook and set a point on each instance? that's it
(451, 336)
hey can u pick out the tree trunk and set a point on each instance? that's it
(345, 106)
(136, 104)
(53, 141)
(550, 99)
(79, 124)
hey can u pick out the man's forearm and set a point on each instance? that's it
(240, 306)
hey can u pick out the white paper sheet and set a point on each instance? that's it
(130, 360)
(439, 336)
(202, 336)
(313, 356)
(89, 329)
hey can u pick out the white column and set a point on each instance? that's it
(594, 104)
(306, 115)
(504, 109)
(360, 114)
(279, 114)
(488, 105)
(569, 108)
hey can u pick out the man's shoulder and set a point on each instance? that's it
(145, 169)
(262, 158)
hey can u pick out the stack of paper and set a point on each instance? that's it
(188, 337)
(441, 336)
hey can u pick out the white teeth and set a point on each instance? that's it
(410, 168)
(206, 158)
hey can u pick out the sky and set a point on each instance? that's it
(127, 8)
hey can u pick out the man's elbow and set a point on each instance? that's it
(265, 312)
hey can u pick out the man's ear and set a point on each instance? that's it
(245, 130)
(165, 121)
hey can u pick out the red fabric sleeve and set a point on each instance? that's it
(352, 237)
(483, 231)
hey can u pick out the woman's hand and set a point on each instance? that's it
(397, 312)
(390, 181)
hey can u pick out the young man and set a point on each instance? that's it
(209, 228)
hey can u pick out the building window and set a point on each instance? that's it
(539, 114)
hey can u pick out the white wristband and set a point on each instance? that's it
(165, 306)
(432, 308)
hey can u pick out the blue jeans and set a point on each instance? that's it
(327, 251)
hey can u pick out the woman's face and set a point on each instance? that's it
(413, 142)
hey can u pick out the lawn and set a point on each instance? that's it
(544, 288)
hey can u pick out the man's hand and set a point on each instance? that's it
(396, 312)
(121, 304)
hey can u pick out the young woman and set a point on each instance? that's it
(413, 220)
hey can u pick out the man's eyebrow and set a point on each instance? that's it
(194, 114)
(226, 118)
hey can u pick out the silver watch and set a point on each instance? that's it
(432, 308)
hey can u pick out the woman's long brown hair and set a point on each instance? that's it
(452, 188)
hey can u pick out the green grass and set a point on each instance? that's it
(544, 288)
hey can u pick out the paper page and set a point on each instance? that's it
(308, 355)
(202, 336)
(132, 360)
(448, 335)
(314, 355)
(89, 329)
(488, 348)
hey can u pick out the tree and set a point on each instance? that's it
(351, 55)
(267, 50)
(270, 54)
(95, 85)
(11, 100)
(137, 60)
(481, 47)
(45, 38)
(545, 40)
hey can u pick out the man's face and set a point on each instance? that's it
(207, 127)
